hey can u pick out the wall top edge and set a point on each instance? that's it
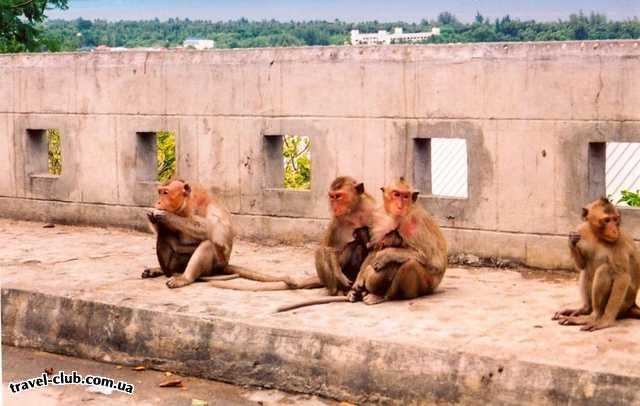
(371, 52)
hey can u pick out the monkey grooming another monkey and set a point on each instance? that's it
(406, 272)
(609, 265)
(194, 236)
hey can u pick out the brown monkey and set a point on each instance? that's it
(194, 236)
(355, 251)
(351, 208)
(406, 272)
(609, 266)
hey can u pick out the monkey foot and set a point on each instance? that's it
(372, 299)
(570, 313)
(575, 320)
(151, 273)
(354, 296)
(597, 325)
(177, 282)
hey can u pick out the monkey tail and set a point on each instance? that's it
(252, 286)
(254, 275)
(324, 300)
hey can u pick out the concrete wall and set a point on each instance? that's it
(528, 112)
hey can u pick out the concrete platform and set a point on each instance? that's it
(486, 337)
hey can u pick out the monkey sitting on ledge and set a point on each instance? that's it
(194, 237)
(609, 265)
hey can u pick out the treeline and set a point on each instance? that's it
(61, 35)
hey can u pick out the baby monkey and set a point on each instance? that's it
(351, 258)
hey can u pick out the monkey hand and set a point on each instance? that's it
(157, 216)
(380, 261)
(574, 238)
(150, 217)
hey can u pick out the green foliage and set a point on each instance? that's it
(166, 155)
(242, 33)
(297, 162)
(54, 152)
(21, 24)
(630, 198)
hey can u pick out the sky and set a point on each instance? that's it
(345, 10)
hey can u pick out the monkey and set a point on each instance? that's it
(392, 239)
(353, 254)
(194, 236)
(413, 270)
(609, 265)
(351, 209)
(355, 251)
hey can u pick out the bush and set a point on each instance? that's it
(630, 198)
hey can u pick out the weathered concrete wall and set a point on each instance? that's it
(528, 112)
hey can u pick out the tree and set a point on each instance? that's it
(446, 18)
(20, 23)
(297, 162)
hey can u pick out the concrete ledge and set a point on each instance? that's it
(485, 337)
(339, 367)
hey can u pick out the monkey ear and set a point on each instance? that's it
(382, 189)
(187, 189)
(414, 196)
(360, 188)
(585, 213)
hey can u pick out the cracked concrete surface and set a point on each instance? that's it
(503, 316)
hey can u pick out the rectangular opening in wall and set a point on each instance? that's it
(441, 166)
(155, 156)
(422, 165)
(166, 155)
(449, 167)
(54, 152)
(622, 173)
(296, 151)
(287, 162)
(44, 152)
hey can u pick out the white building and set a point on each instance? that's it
(199, 44)
(384, 37)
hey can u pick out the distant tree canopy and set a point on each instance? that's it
(242, 33)
(20, 24)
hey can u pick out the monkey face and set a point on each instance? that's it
(398, 202)
(604, 219)
(361, 234)
(341, 202)
(610, 226)
(172, 197)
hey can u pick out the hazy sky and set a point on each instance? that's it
(346, 10)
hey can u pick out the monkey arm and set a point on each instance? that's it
(402, 255)
(392, 255)
(621, 282)
(586, 283)
(578, 248)
(194, 227)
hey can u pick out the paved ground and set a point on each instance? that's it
(501, 314)
(19, 364)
